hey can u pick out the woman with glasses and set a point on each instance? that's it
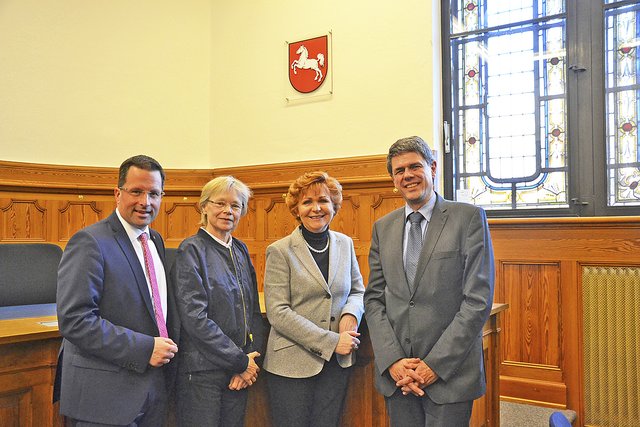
(217, 299)
(313, 292)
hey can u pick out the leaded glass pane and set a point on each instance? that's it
(622, 64)
(509, 114)
(471, 15)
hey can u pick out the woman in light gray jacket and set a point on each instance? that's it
(314, 297)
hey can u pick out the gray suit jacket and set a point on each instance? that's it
(106, 317)
(440, 317)
(303, 309)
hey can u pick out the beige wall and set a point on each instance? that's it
(202, 84)
(92, 82)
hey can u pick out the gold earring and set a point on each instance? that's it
(395, 190)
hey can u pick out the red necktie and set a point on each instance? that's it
(155, 292)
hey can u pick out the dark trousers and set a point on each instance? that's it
(204, 399)
(413, 411)
(152, 414)
(309, 402)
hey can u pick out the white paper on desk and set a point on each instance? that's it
(49, 324)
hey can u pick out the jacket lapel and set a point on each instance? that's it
(301, 251)
(434, 230)
(335, 254)
(395, 237)
(121, 237)
(157, 240)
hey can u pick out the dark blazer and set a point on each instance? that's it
(440, 317)
(213, 305)
(106, 317)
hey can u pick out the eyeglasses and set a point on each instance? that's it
(221, 205)
(153, 195)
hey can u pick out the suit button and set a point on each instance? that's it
(333, 318)
(412, 304)
(407, 340)
(327, 296)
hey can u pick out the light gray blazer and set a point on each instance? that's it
(303, 309)
(440, 317)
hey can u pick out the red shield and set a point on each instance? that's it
(308, 60)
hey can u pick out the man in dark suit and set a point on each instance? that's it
(115, 313)
(426, 303)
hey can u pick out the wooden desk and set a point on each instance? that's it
(29, 351)
(486, 410)
(28, 355)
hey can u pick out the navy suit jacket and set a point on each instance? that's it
(106, 318)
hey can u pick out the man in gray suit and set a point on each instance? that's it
(426, 303)
(115, 313)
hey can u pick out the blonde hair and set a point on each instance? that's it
(222, 185)
(299, 187)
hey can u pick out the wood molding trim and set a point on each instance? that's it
(37, 177)
(362, 170)
(565, 222)
(19, 176)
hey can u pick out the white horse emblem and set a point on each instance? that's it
(305, 63)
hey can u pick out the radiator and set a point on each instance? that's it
(611, 322)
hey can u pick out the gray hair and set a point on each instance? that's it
(222, 185)
(411, 144)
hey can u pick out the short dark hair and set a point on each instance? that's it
(142, 162)
(411, 144)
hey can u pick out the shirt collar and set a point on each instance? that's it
(226, 245)
(426, 210)
(133, 232)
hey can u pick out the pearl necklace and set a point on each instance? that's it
(318, 251)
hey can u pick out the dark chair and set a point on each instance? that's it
(557, 419)
(169, 257)
(28, 273)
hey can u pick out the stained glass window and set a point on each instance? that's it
(622, 87)
(509, 103)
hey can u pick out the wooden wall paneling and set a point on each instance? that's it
(278, 219)
(569, 243)
(383, 204)
(260, 214)
(538, 259)
(179, 218)
(72, 216)
(363, 263)
(533, 292)
(23, 220)
(572, 354)
(247, 227)
(252, 230)
(532, 339)
(346, 219)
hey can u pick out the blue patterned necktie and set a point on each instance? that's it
(414, 246)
